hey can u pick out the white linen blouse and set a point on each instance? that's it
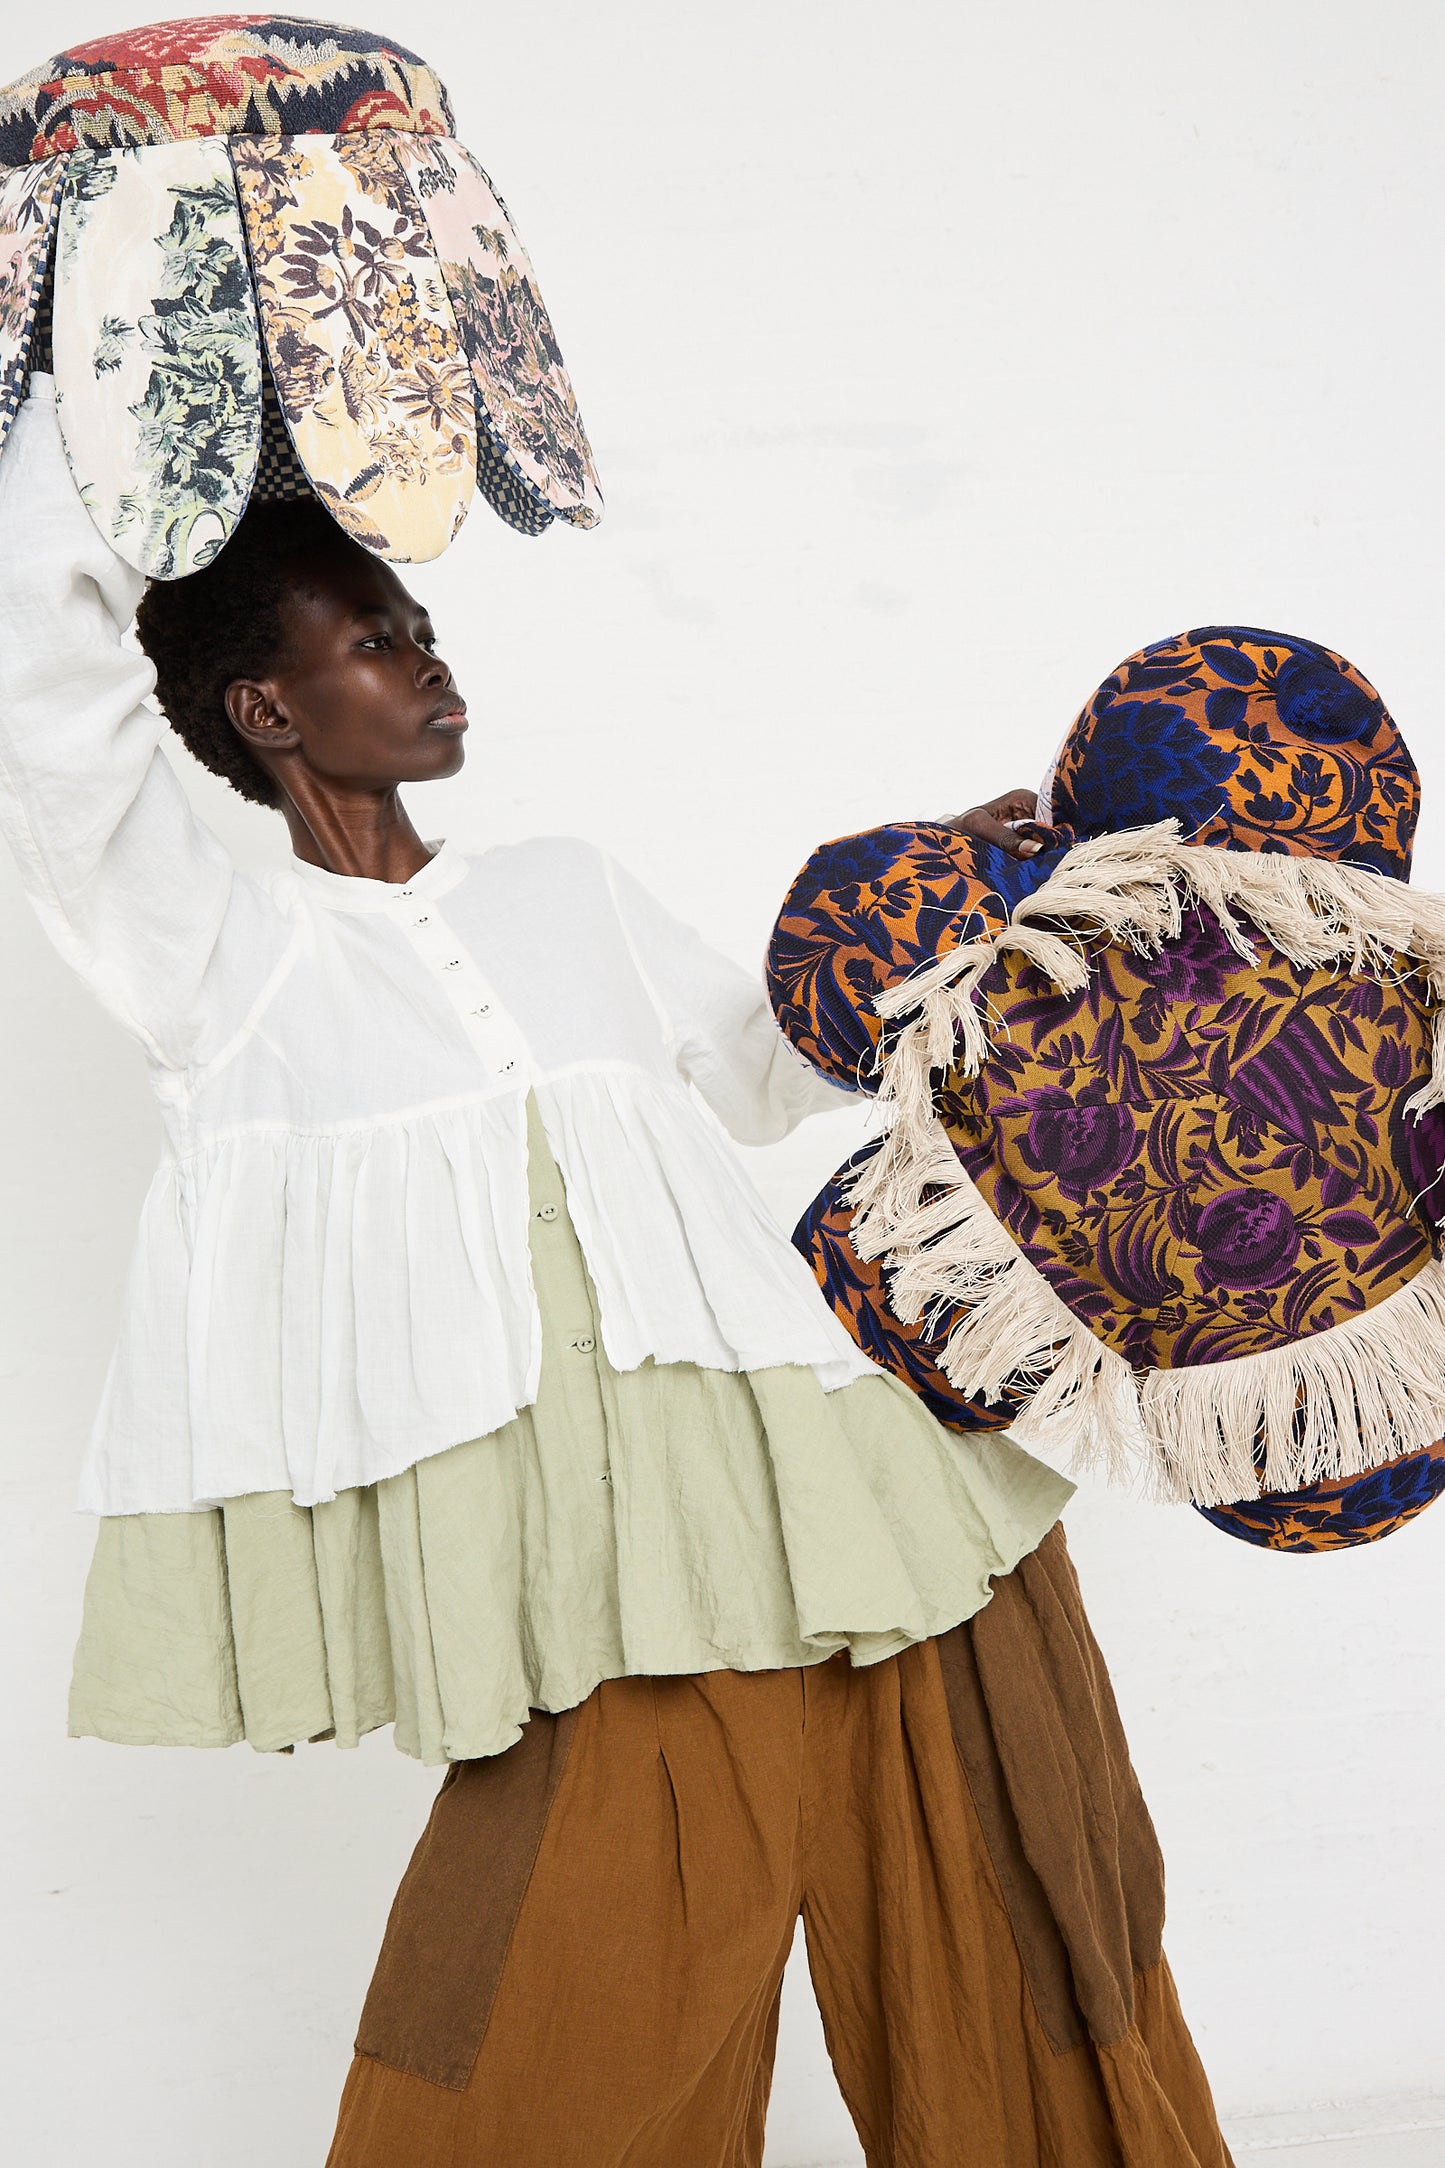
(332, 1277)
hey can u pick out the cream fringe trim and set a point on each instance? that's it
(1335, 1404)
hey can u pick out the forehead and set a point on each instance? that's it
(339, 583)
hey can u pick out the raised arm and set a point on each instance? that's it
(723, 1036)
(129, 885)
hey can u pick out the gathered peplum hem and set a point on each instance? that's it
(748, 1523)
(260, 1349)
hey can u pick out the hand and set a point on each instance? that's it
(989, 823)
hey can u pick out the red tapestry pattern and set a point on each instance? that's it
(219, 75)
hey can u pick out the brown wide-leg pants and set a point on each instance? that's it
(583, 1962)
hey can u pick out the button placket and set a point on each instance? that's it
(583, 1342)
(492, 1032)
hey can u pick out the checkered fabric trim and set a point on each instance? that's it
(34, 347)
(509, 496)
(280, 476)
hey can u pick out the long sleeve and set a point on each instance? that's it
(723, 1035)
(129, 885)
(868, 911)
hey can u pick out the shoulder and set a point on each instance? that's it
(540, 858)
(546, 874)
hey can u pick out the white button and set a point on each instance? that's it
(585, 1344)
(424, 920)
(547, 1211)
(484, 1010)
(406, 895)
(453, 963)
(506, 1068)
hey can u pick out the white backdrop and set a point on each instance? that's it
(935, 357)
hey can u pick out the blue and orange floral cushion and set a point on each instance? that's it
(1252, 741)
(866, 912)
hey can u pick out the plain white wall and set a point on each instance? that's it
(935, 357)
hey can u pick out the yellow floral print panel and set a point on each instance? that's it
(362, 342)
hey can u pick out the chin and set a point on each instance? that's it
(447, 757)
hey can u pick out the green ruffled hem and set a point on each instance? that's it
(744, 1523)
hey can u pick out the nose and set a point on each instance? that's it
(430, 669)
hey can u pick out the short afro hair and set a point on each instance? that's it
(224, 622)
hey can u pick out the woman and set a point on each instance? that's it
(462, 1376)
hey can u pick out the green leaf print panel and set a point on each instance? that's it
(157, 357)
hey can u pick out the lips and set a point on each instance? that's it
(452, 717)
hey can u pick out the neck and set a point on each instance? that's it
(368, 836)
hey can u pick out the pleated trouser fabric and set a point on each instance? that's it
(583, 1963)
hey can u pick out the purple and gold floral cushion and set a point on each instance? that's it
(263, 265)
(1325, 1516)
(1203, 1156)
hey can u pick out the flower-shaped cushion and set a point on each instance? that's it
(262, 219)
(1188, 1161)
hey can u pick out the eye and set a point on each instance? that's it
(428, 640)
(377, 640)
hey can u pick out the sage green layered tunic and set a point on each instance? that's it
(661, 1520)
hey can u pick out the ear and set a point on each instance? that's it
(258, 719)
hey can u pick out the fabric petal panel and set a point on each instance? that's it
(157, 353)
(27, 220)
(361, 339)
(524, 394)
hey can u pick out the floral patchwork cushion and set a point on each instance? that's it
(263, 262)
(218, 75)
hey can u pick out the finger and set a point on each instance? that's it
(983, 825)
(1015, 805)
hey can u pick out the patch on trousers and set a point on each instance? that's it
(1043, 1750)
(436, 1979)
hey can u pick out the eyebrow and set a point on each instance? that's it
(380, 609)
